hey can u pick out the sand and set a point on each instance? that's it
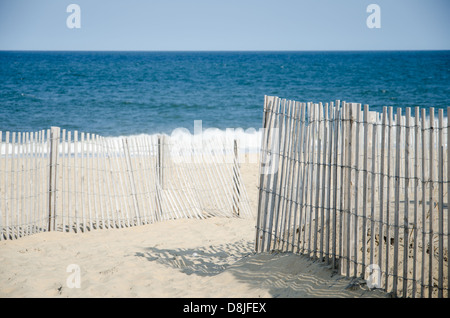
(185, 258)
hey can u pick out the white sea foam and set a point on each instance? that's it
(248, 140)
(211, 139)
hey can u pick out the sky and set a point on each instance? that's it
(224, 25)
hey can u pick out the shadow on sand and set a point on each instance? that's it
(282, 274)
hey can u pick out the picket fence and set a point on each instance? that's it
(366, 192)
(58, 180)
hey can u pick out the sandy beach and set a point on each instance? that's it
(185, 258)
(131, 135)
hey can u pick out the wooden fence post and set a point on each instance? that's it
(236, 184)
(347, 149)
(53, 164)
(132, 182)
(159, 174)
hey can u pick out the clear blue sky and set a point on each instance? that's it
(224, 25)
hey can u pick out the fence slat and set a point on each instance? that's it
(7, 136)
(397, 199)
(285, 114)
(348, 183)
(25, 198)
(95, 179)
(120, 196)
(381, 194)
(292, 172)
(416, 197)
(337, 128)
(324, 174)
(300, 173)
(431, 204)
(14, 229)
(82, 181)
(424, 181)
(317, 179)
(34, 183)
(328, 160)
(76, 174)
(372, 190)
(357, 190)
(19, 185)
(441, 205)
(448, 200)
(88, 178)
(314, 120)
(305, 178)
(279, 235)
(406, 205)
(302, 176)
(268, 154)
(342, 175)
(102, 182)
(63, 179)
(262, 161)
(69, 170)
(274, 183)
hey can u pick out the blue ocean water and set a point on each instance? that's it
(130, 93)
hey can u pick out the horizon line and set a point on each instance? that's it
(312, 50)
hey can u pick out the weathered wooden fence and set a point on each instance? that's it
(58, 180)
(364, 191)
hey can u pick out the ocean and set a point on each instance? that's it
(130, 93)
